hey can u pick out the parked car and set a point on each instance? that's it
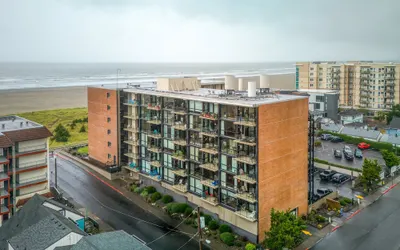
(322, 192)
(363, 145)
(337, 153)
(339, 178)
(336, 139)
(358, 153)
(326, 137)
(327, 174)
(347, 149)
(348, 156)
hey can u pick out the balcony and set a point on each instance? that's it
(154, 120)
(3, 159)
(4, 209)
(210, 183)
(180, 187)
(132, 167)
(31, 181)
(210, 149)
(249, 197)
(34, 148)
(155, 163)
(180, 141)
(154, 175)
(210, 166)
(33, 164)
(132, 103)
(154, 148)
(248, 215)
(132, 156)
(131, 116)
(251, 160)
(229, 117)
(154, 134)
(179, 155)
(180, 172)
(131, 129)
(179, 126)
(246, 140)
(3, 176)
(212, 200)
(246, 122)
(209, 132)
(246, 178)
(179, 111)
(209, 116)
(156, 107)
(389, 77)
(3, 193)
(132, 142)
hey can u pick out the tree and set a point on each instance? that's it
(285, 232)
(390, 158)
(381, 116)
(61, 133)
(395, 112)
(370, 174)
(83, 129)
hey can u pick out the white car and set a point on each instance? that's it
(347, 149)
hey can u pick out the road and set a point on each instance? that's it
(116, 210)
(375, 227)
(325, 152)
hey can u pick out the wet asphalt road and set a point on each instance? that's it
(375, 227)
(116, 210)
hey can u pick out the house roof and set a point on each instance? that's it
(31, 213)
(390, 139)
(4, 141)
(395, 123)
(331, 127)
(111, 240)
(350, 112)
(363, 133)
(27, 134)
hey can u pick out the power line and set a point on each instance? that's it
(187, 242)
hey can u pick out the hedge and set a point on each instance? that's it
(155, 196)
(356, 140)
(167, 199)
(227, 238)
(225, 229)
(177, 208)
(250, 246)
(188, 211)
(151, 189)
(213, 225)
(336, 165)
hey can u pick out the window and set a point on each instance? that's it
(108, 94)
(196, 186)
(311, 68)
(311, 74)
(320, 79)
(108, 119)
(108, 131)
(168, 175)
(228, 181)
(108, 156)
(317, 105)
(109, 144)
(108, 107)
(228, 198)
(319, 98)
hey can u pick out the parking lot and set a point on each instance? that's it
(325, 152)
(344, 188)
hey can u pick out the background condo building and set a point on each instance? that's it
(23, 162)
(367, 85)
(235, 153)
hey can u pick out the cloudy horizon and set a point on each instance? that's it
(198, 31)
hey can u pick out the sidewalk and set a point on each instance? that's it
(318, 235)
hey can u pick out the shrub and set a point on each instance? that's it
(167, 199)
(207, 219)
(151, 189)
(83, 129)
(250, 246)
(189, 221)
(336, 165)
(133, 187)
(155, 196)
(173, 208)
(138, 190)
(213, 225)
(342, 203)
(317, 144)
(61, 133)
(321, 219)
(225, 229)
(347, 200)
(144, 194)
(188, 211)
(239, 243)
(227, 238)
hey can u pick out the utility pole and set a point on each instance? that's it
(55, 171)
(199, 226)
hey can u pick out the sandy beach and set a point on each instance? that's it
(27, 100)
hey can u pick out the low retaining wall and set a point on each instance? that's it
(104, 173)
(337, 169)
(319, 203)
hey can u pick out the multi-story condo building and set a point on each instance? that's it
(237, 154)
(23, 162)
(367, 85)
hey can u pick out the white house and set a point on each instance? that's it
(351, 116)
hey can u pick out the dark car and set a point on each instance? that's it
(327, 174)
(337, 153)
(326, 137)
(358, 153)
(339, 178)
(348, 156)
(336, 139)
(322, 192)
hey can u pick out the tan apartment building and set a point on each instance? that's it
(230, 152)
(24, 162)
(366, 85)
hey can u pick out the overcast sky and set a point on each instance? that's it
(198, 30)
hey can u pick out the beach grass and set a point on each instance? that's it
(51, 119)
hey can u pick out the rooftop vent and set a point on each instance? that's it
(3, 126)
(21, 124)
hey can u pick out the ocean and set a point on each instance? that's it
(42, 75)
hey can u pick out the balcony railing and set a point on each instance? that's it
(246, 178)
(248, 215)
(209, 116)
(131, 116)
(180, 141)
(27, 149)
(154, 134)
(154, 148)
(33, 180)
(179, 156)
(32, 164)
(132, 142)
(133, 167)
(4, 209)
(229, 117)
(229, 150)
(209, 132)
(246, 140)
(131, 102)
(179, 126)
(196, 142)
(209, 148)
(244, 121)
(180, 187)
(3, 192)
(132, 129)
(210, 200)
(156, 107)
(246, 196)
(180, 172)
(153, 120)
(196, 126)
(155, 163)
(248, 159)
(210, 166)
(132, 155)
(179, 111)
(3, 159)
(210, 183)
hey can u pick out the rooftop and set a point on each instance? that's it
(219, 96)
(13, 122)
(350, 112)
(395, 123)
(322, 91)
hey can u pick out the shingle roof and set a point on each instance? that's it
(349, 112)
(4, 141)
(390, 139)
(331, 127)
(27, 134)
(111, 240)
(64, 248)
(363, 133)
(395, 123)
(30, 214)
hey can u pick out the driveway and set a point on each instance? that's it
(325, 152)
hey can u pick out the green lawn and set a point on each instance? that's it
(83, 150)
(51, 118)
